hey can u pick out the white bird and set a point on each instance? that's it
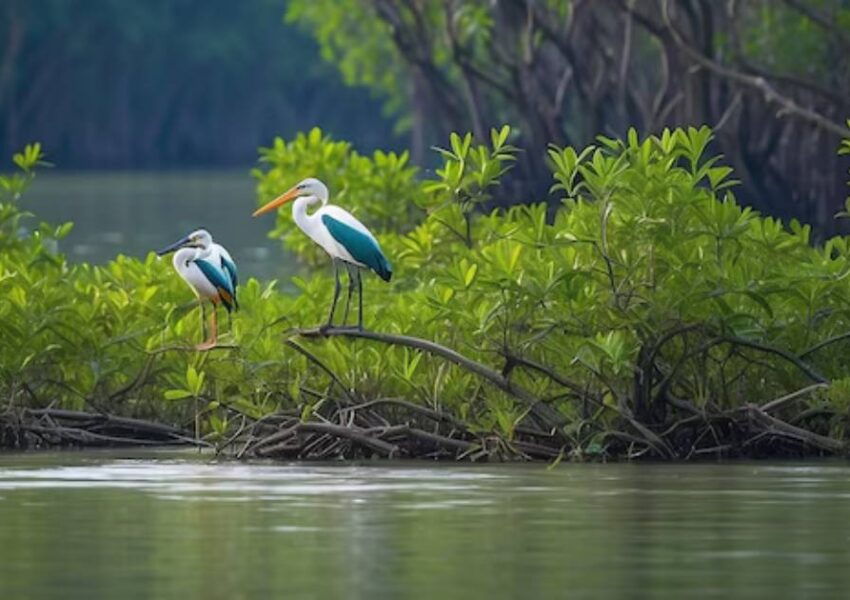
(209, 270)
(340, 234)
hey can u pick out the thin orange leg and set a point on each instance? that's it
(213, 340)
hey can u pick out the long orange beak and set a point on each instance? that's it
(279, 201)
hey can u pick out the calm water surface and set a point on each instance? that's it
(182, 526)
(134, 213)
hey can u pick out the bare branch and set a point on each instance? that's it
(809, 371)
(776, 403)
(779, 426)
(825, 343)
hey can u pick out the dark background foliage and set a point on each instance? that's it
(167, 83)
(770, 77)
(107, 83)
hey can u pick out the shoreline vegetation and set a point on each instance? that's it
(640, 312)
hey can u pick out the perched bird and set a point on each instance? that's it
(210, 271)
(340, 234)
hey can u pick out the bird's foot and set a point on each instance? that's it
(208, 345)
(348, 328)
(328, 327)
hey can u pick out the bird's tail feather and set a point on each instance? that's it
(384, 269)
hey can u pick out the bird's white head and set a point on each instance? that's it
(310, 187)
(200, 238)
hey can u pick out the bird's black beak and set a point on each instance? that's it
(185, 241)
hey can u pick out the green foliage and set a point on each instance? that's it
(468, 172)
(358, 39)
(779, 37)
(356, 43)
(12, 186)
(649, 283)
(465, 179)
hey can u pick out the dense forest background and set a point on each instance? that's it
(170, 83)
(167, 83)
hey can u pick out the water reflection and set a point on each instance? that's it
(135, 212)
(166, 526)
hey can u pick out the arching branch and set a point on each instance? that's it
(541, 411)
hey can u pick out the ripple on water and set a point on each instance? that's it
(293, 529)
(177, 480)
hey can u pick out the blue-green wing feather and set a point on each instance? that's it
(363, 248)
(221, 282)
(229, 267)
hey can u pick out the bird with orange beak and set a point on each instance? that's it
(340, 234)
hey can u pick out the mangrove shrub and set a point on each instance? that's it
(647, 314)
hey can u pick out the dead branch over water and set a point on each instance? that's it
(51, 427)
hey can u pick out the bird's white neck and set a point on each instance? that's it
(183, 256)
(299, 209)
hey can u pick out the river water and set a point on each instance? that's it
(136, 212)
(154, 525)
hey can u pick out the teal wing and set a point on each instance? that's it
(363, 248)
(229, 267)
(221, 282)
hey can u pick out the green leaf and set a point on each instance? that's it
(194, 380)
(470, 274)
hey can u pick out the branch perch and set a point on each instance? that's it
(544, 413)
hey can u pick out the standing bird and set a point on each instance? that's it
(340, 234)
(211, 273)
